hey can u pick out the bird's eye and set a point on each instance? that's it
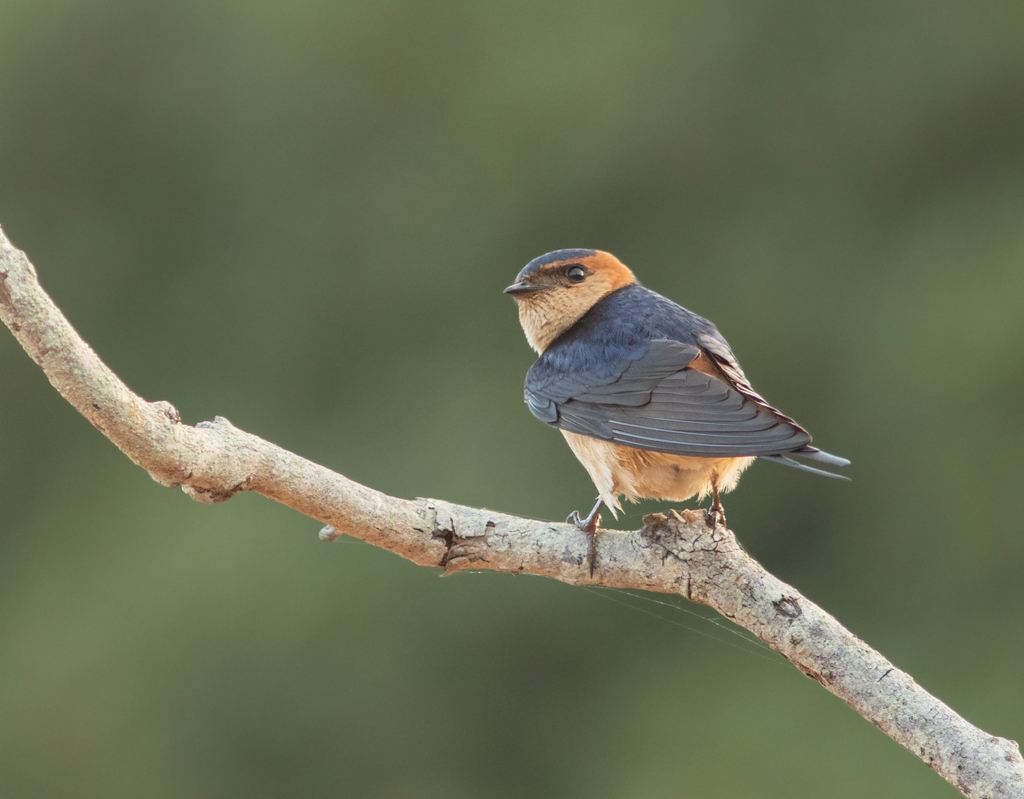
(577, 274)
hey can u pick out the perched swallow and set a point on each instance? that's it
(648, 395)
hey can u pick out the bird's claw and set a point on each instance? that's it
(589, 527)
(716, 513)
(715, 516)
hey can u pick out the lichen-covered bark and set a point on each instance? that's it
(212, 461)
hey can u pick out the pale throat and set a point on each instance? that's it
(548, 315)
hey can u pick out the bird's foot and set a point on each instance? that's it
(716, 513)
(715, 516)
(589, 526)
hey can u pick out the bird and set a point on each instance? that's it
(648, 395)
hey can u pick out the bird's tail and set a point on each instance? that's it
(814, 454)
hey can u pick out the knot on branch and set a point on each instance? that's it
(788, 606)
(209, 496)
(470, 540)
(12, 255)
(702, 550)
(5, 293)
(330, 533)
(168, 410)
(684, 534)
(229, 463)
(214, 460)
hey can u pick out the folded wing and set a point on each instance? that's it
(657, 402)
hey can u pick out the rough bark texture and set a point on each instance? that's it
(677, 554)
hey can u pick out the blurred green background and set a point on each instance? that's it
(301, 216)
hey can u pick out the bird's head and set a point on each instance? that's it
(555, 290)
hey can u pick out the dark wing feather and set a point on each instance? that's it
(719, 350)
(655, 402)
(782, 459)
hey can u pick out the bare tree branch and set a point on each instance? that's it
(679, 554)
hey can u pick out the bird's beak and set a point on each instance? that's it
(521, 288)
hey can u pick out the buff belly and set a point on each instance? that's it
(638, 474)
